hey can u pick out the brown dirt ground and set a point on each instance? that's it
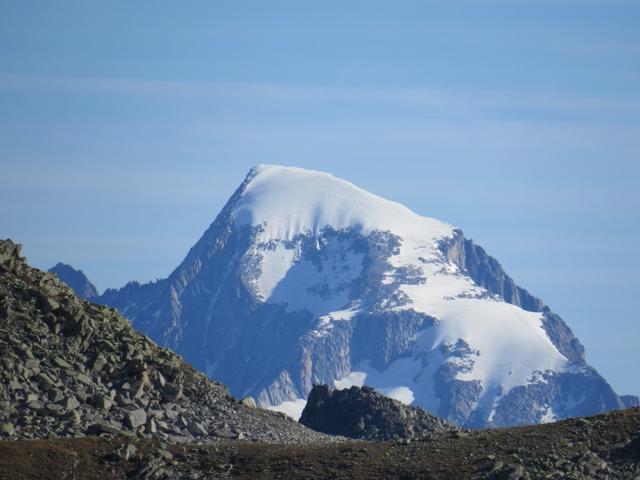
(448, 457)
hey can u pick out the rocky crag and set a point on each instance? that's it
(70, 368)
(363, 413)
(76, 279)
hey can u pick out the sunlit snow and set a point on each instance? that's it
(291, 408)
(510, 344)
(289, 201)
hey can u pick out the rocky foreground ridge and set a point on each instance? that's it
(363, 413)
(602, 447)
(70, 368)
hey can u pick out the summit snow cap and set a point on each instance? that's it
(289, 201)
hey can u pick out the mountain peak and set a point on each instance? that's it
(288, 201)
(305, 278)
(76, 279)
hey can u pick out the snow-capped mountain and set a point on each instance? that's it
(304, 278)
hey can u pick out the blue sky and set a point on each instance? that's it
(125, 126)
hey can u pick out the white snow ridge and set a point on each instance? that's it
(290, 201)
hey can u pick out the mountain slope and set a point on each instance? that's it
(304, 278)
(72, 368)
(76, 279)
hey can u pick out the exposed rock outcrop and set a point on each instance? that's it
(363, 413)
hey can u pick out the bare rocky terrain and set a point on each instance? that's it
(71, 368)
(85, 396)
(602, 447)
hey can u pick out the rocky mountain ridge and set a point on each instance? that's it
(72, 368)
(76, 279)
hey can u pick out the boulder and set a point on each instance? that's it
(136, 418)
(363, 413)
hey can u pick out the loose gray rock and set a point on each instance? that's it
(70, 368)
(136, 418)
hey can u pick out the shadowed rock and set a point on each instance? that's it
(363, 413)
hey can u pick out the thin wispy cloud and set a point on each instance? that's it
(437, 98)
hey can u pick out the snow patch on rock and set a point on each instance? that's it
(292, 408)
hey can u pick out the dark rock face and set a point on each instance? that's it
(363, 413)
(76, 279)
(562, 337)
(72, 368)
